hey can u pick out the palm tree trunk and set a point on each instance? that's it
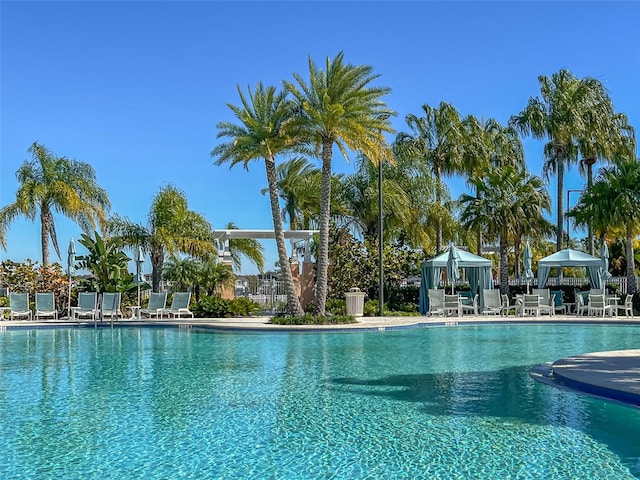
(590, 237)
(323, 241)
(295, 308)
(157, 261)
(632, 286)
(45, 228)
(479, 249)
(438, 175)
(517, 243)
(504, 266)
(560, 199)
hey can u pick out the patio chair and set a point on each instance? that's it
(582, 307)
(453, 305)
(110, 306)
(627, 306)
(548, 307)
(492, 302)
(544, 294)
(470, 306)
(598, 305)
(19, 306)
(530, 304)
(157, 303)
(558, 303)
(87, 306)
(436, 302)
(179, 305)
(46, 305)
(507, 307)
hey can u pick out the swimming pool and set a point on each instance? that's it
(432, 403)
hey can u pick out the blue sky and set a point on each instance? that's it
(136, 88)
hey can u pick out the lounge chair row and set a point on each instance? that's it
(88, 306)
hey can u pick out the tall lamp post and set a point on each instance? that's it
(569, 192)
(382, 117)
(380, 246)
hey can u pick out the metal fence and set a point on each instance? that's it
(621, 282)
(269, 293)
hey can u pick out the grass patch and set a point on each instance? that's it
(313, 320)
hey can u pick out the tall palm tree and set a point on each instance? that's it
(338, 106)
(172, 228)
(436, 138)
(50, 183)
(507, 194)
(487, 143)
(264, 131)
(612, 203)
(359, 195)
(570, 109)
(613, 137)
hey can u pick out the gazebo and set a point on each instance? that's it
(478, 271)
(570, 258)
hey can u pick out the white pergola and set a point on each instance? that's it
(294, 236)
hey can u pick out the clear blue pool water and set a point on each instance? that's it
(434, 403)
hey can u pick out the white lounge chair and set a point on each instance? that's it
(19, 306)
(87, 306)
(452, 304)
(470, 307)
(110, 306)
(492, 302)
(436, 301)
(157, 303)
(46, 306)
(179, 305)
(530, 304)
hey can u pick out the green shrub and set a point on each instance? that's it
(311, 320)
(336, 306)
(215, 307)
(243, 307)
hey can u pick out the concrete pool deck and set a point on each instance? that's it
(613, 375)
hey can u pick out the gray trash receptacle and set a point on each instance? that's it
(355, 302)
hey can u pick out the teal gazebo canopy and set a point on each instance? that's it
(570, 258)
(478, 271)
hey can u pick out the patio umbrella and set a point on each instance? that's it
(453, 272)
(527, 261)
(139, 259)
(71, 262)
(604, 268)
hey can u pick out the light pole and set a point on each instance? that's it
(380, 246)
(567, 216)
(381, 117)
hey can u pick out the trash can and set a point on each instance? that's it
(355, 302)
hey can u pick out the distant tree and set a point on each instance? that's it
(569, 112)
(612, 203)
(507, 194)
(436, 139)
(48, 184)
(172, 228)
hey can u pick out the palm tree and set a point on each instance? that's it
(244, 247)
(172, 228)
(612, 203)
(339, 107)
(299, 187)
(182, 272)
(359, 196)
(436, 138)
(50, 183)
(488, 144)
(264, 131)
(614, 138)
(507, 194)
(569, 111)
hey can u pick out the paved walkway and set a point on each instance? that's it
(613, 375)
